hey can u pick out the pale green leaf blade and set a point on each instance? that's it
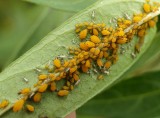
(50, 47)
(65, 5)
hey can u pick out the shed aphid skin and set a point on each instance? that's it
(98, 50)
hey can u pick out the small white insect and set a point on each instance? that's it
(77, 82)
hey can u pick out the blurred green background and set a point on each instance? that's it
(23, 24)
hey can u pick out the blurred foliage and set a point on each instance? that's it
(22, 25)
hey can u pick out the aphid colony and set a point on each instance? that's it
(97, 51)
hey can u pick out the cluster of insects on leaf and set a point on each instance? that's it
(98, 50)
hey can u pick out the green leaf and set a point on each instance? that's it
(65, 5)
(137, 97)
(149, 61)
(52, 45)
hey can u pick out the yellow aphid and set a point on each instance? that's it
(107, 64)
(73, 69)
(113, 45)
(66, 63)
(100, 77)
(25, 91)
(127, 22)
(65, 87)
(30, 108)
(53, 86)
(122, 41)
(99, 62)
(57, 63)
(120, 33)
(83, 46)
(68, 83)
(95, 32)
(147, 7)
(83, 34)
(114, 40)
(42, 88)
(92, 50)
(18, 105)
(42, 77)
(105, 54)
(52, 76)
(105, 32)
(4, 104)
(71, 87)
(90, 44)
(88, 64)
(76, 77)
(95, 39)
(97, 51)
(151, 23)
(137, 19)
(37, 97)
(100, 55)
(63, 93)
(84, 68)
(141, 32)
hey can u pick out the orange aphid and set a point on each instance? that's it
(84, 68)
(151, 23)
(18, 105)
(100, 55)
(107, 64)
(42, 88)
(95, 39)
(52, 76)
(88, 64)
(57, 63)
(141, 32)
(4, 103)
(99, 62)
(83, 46)
(30, 108)
(73, 69)
(53, 86)
(105, 32)
(122, 41)
(90, 44)
(25, 91)
(137, 19)
(83, 34)
(147, 7)
(97, 51)
(66, 63)
(42, 77)
(63, 93)
(37, 97)
(100, 77)
(76, 77)
(95, 32)
(120, 33)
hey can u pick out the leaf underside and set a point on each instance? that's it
(11, 79)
